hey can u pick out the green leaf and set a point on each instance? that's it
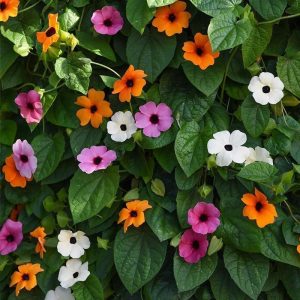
(226, 32)
(91, 289)
(254, 116)
(190, 276)
(258, 172)
(8, 130)
(288, 70)
(49, 152)
(8, 56)
(75, 70)
(150, 52)
(108, 80)
(68, 19)
(158, 3)
(190, 148)
(269, 9)
(138, 256)
(90, 193)
(166, 158)
(183, 182)
(139, 14)
(290, 277)
(249, 271)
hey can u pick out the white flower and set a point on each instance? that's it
(228, 147)
(122, 126)
(59, 294)
(72, 244)
(259, 154)
(73, 272)
(266, 88)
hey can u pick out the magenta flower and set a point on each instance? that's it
(107, 20)
(204, 218)
(95, 158)
(192, 246)
(11, 236)
(30, 106)
(154, 119)
(24, 158)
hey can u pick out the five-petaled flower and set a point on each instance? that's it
(8, 8)
(40, 234)
(259, 154)
(59, 294)
(11, 236)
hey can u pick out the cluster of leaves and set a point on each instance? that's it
(173, 171)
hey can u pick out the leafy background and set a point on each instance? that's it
(253, 36)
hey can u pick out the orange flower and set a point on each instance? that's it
(134, 213)
(172, 19)
(8, 8)
(131, 83)
(258, 208)
(39, 234)
(12, 175)
(25, 277)
(95, 108)
(50, 36)
(298, 249)
(15, 212)
(200, 52)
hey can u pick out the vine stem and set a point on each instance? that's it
(26, 84)
(291, 212)
(279, 19)
(106, 67)
(54, 89)
(29, 7)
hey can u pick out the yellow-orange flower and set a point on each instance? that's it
(131, 83)
(172, 19)
(95, 107)
(258, 208)
(50, 36)
(133, 214)
(199, 52)
(25, 277)
(298, 248)
(8, 8)
(39, 234)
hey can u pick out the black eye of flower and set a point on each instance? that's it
(203, 218)
(172, 17)
(195, 245)
(266, 89)
(3, 6)
(51, 31)
(10, 238)
(107, 22)
(97, 160)
(133, 214)
(93, 109)
(123, 127)
(73, 240)
(258, 206)
(75, 275)
(24, 158)
(154, 119)
(228, 147)
(25, 277)
(129, 83)
(199, 51)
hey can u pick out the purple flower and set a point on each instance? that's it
(24, 158)
(204, 218)
(107, 20)
(192, 246)
(95, 158)
(30, 106)
(154, 119)
(11, 236)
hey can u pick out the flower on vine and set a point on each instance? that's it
(298, 248)
(107, 20)
(59, 294)
(131, 84)
(258, 208)
(25, 277)
(228, 147)
(8, 8)
(259, 154)
(15, 212)
(51, 35)
(154, 119)
(133, 214)
(171, 19)
(95, 107)
(11, 236)
(199, 52)
(39, 234)
(266, 88)
(95, 158)
(192, 246)
(30, 106)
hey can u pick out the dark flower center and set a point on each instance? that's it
(133, 214)
(73, 240)
(93, 109)
(75, 275)
(51, 31)
(97, 160)
(228, 147)
(258, 206)
(195, 245)
(199, 51)
(24, 158)
(10, 238)
(203, 218)
(107, 22)
(25, 277)
(154, 119)
(172, 17)
(3, 6)
(266, 89)
(123, 127)
(30, 106)
(129, 83)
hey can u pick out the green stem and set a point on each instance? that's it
(26, 84)
(54, 89)
(291, 212)
(106, 67)
(81, 18)
(29, 7)
(279, 19)
(131, 109)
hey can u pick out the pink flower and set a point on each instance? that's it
(154, 119)
(204, 218)
(107, 20)
(192, 246)
(11, 236)
(30, 106)
(24, 158)
(95, 158)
